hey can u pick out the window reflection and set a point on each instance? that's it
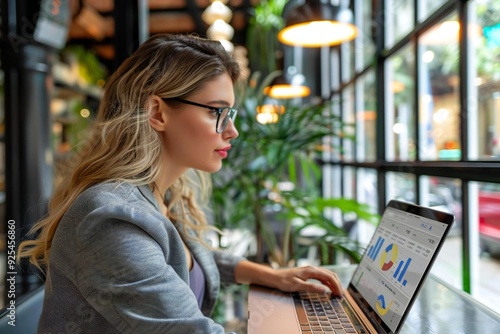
(439, 125)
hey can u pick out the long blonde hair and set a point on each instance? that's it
(122, 146)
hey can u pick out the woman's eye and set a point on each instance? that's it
(214, 112)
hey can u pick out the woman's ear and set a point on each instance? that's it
(157, 115)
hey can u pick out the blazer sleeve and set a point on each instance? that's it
(226, 263)
(132, 279)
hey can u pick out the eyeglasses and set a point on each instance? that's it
(224, 114)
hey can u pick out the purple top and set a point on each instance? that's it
(197, 281)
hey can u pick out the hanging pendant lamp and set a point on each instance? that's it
(281, 88)
(316, 23)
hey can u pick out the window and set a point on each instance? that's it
(485, 217)
(2, 149)
(400, 112)
(434, 136)
(484, 72)
(366, 117)
(398, 15)
(365, 41)
(438, 92)
(443, 194)
(348, 116)
(401, 186)
(427, 7)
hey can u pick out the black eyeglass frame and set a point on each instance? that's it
(231, 114)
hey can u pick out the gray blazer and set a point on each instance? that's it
(117, 265)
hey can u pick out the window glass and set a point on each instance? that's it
(427, 7)
(1, 15)
(444, 194)
(398, 19)
(347, 59)
(2, 149)
(367, 187)
(366, 193)
(485, 217)
(400, 102)
(484, 71)
(401, 186)
(348, 117)
(439, 124)
(366, 117)
(349, 182)
(332, 181)
(335, 142)
(365, 41)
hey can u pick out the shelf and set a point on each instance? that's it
(66, 90)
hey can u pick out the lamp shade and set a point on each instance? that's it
(217, 11)
(287, 91)
(220, 30)
(283, 88)
(316, 24)
(269, 113)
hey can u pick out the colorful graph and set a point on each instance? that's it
(382, 309)
(392, 248)
(401, 270)
(375, 249)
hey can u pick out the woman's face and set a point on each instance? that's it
(190, 138)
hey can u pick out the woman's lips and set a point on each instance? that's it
(223, 152)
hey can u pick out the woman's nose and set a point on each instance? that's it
(230, 131)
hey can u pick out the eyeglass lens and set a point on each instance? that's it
(223, 119)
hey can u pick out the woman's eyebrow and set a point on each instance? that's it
(220, 102)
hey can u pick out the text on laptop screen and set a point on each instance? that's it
(395, 261)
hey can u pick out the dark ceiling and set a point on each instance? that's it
(93, 22)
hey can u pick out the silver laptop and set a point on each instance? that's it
(382, 289)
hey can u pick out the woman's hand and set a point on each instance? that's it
(288, 279)
(296, 279)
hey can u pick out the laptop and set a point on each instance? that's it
(381, 291)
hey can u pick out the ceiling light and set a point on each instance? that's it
(220, 30)
(288, 86)
(228, 46)
(216, 11)
(269, 113)
(287, 91)
(316, 24)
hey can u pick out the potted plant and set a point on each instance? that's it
(262, 35)
(248, 192)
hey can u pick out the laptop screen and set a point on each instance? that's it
(396, 261)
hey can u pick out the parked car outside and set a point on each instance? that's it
(489, 220)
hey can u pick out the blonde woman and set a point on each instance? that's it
(123, 244)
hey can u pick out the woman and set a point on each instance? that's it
(123, 243)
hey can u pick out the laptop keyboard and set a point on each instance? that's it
(317, 313)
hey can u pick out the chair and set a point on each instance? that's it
(27, 313)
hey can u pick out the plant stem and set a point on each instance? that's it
(286, 241)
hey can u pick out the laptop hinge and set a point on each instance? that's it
(359, 314)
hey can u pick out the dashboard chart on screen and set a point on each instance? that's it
(395, 262)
